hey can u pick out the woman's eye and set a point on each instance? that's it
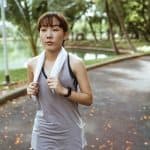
(55, 29)
(43, 29)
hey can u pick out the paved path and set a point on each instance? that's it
(119, 119)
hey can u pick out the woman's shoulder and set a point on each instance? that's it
(76, 62)
(31, 63)
(74, 59)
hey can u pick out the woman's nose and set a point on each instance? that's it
(49, 33)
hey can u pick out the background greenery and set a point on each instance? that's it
(111, 25)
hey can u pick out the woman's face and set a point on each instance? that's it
(52, 36)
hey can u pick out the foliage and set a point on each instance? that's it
(138, 17)
(135, 13)
(24, 14)
(72, 9)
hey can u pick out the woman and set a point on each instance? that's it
(60, 82)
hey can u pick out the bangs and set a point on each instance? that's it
(48, 21)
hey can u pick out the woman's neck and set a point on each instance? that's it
(51, 55)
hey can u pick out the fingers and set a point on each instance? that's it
(55, 84)
(33, 88)
(52, 82)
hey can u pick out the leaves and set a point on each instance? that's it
(24, 14)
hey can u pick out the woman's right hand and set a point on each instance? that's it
(33, 88)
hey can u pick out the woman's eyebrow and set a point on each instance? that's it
(55, 25)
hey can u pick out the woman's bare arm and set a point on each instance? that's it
(32, 88)
(84, 96)
(29, 73)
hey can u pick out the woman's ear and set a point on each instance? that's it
(66, 36)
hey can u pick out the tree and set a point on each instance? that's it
(118, 9)
(90, 22)
(25, 15)
(72, 9)
(111, 27)
(138, 17)
(106, 9)
(26, 12)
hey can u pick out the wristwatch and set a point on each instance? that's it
(69, 92)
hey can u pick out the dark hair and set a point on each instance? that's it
(47, 20)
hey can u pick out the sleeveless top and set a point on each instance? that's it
(59, 115)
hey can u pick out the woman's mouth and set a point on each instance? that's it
(49, 43)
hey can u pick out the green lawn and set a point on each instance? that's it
(16, 75)
(91, 62)
(123, 44)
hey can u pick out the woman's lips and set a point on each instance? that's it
(49, 43)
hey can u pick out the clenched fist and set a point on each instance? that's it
(33, 88)
(55, 85)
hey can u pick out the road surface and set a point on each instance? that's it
(119, 118)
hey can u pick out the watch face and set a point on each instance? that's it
(69, 92)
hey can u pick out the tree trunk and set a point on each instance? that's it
(71, 28)
(121, 21)
(92, 29)
(146, 23)
(33, 47)
(100, 29)
(111, 27)
(146, 36)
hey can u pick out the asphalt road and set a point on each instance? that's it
(119, 118)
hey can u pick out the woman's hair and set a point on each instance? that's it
(47, 20)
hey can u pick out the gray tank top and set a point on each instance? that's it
(57, 125)
(56, 108)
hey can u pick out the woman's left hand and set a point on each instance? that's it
(54, 83)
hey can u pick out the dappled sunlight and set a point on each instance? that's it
(89, 56)
(144, 48)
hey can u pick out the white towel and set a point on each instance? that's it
(62, 56)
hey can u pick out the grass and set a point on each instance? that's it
(16, 75)
(123, 44)
(104, 43)
(91, 62)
